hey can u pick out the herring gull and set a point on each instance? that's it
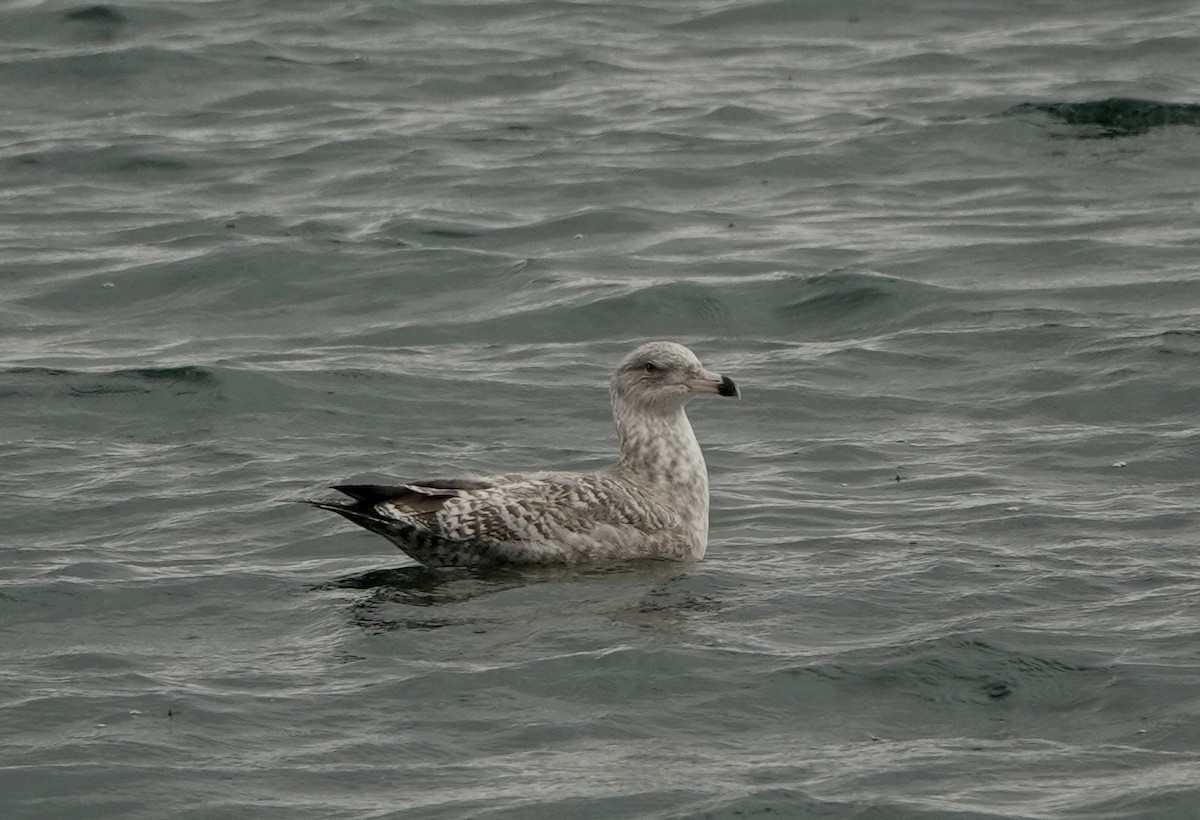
(653, 503)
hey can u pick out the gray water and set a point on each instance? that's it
(948, 250)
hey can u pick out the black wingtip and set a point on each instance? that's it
(356, 511)
(369, 493)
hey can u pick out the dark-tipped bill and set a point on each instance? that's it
(714, 383)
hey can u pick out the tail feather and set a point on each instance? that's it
(414, 498)
(366, 516)
(372, 493)
(404, 522)
(354, 510)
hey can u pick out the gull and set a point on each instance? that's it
(652, 503)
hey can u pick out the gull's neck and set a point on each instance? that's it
(659, 445)
(659, 452)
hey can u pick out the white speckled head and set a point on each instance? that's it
(664, 376)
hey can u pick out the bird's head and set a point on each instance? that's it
(664, 376)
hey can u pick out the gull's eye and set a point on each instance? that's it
(652, 368)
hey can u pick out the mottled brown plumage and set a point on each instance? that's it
(653, 503)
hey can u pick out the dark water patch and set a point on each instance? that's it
(176, 380)
(1109, 302)
(1114, 117)
(740, 115)
(211, 231)
(670, 600)
(427, 583)
(589, 224)
(681, 307)
(258, 103)
(769, 15)
(187, 374)
(413, 231)
(36, 371)
(449, 233)
(149, 162)
(107, 388)
(179, 381)
(1182, 342)
(926, 62)
(417, 579)
(916, 318)
(783, 801)
(279, 58)
(89, 161)
(98, 14)
(93, 661)
(103, 82)
(415, 586)
(530, 77)
(208, 292)
(846, 303)
(33, 25)
(970, 670)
